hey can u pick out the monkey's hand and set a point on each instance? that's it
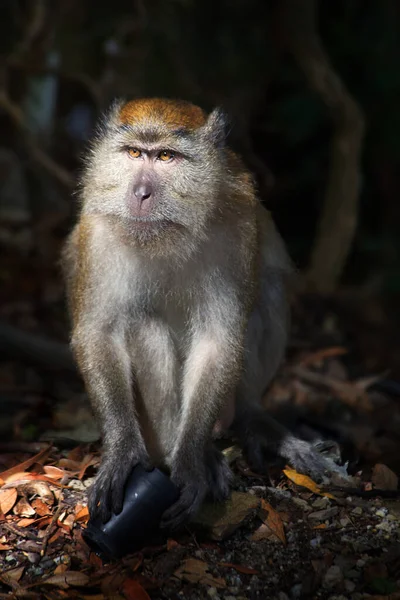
(106, 495)
(196, 482)
(191, 479)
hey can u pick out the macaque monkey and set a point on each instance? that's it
(177, 290)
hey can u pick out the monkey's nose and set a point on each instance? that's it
(142, 191)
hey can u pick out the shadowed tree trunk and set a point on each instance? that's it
(339, 215)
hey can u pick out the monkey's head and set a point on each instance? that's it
(159, 166)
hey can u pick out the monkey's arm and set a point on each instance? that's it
(99, 344)
(105, 366)
(209, 380)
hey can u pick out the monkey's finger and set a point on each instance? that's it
(182, 510)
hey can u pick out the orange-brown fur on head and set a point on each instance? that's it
(174, 114)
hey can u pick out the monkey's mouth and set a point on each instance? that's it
(151, 223)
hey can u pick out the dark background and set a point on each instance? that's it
(312, 90)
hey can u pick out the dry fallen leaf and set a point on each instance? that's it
(55, 472)
(67, 579)
(305, 481)
(263, 533)
(41, 456)
(196, 571)
(82, 514)
(4, 547)
(7, 499)
(132, 590)
(23, 508)
(273, 520)
(26, 522)
(12, 577)
(40, 507)
(383, 478)
(22, 478)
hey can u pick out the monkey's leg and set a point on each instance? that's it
(105, 365)
(207, 381)
(262, 438)
(218, 473)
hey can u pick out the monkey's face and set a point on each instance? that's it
(161, 177)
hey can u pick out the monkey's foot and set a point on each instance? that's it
(193, 485)
(219, 475)
(106, 495)
(306, 457)
(302, 456)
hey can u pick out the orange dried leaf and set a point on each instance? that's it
(56, 536)
(132, 590)
(41, 456)
(54, 472)
(70, 465)
(22, 478)
(305, 481)
(60, 569)
(7, 500)
(25, 522)
(320, 526)
(40, 507)
(172, 544)
(263, 533)
(82, 514)
(272, 519)
(4, 547)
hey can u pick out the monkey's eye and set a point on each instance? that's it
(166, 155)
(134, 152)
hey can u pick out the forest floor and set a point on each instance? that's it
(279, 536)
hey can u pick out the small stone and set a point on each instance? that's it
(315, 542)
(222, 519)
(333, 577)
(385, 526)
(213, 593)
(381, 512)
(33, 557)
(349, 586)
(302, 504)
(357, 511)
(88, 482)
(345, 521)
(258, 490)
(321, 502)
(296, 591)
(323, 515)
(283, 596)
(76, 484)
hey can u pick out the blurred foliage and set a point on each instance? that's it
(230, 53)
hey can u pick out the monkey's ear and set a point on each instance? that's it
(215, 128)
